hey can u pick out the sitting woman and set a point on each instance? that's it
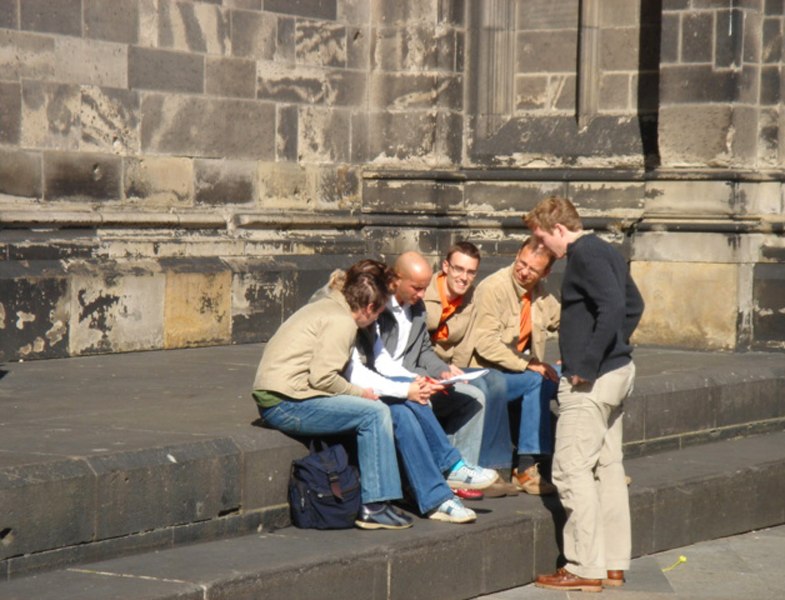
(300, 390)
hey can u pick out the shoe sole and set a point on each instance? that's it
(448, 519)
(364, 525)
(455, 485)
(613, 582)
(569, 588)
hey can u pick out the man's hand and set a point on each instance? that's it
(453, 372)
(369, 394)
(419, 391)
(544, 369)
(577, 380)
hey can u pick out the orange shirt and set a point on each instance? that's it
(448, 308)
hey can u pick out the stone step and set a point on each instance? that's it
(109, 455)
(677, 498)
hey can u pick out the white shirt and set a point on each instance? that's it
(403, 316)
(379, 380)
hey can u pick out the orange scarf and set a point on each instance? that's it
(449, 307)
(526, 322)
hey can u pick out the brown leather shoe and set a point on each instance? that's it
(615, 579)
(500, 488)
(566, 581)
(531, 482)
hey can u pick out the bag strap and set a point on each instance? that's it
(332, 475)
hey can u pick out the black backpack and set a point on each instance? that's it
(324, 489)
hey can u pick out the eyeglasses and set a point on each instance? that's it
(462, 271)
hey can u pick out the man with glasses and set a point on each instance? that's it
(513, 316)
(449, 303)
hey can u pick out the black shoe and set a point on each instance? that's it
(382, 516)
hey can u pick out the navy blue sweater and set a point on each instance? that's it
(601, 306)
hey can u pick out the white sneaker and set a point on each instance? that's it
(471, 477)
(453, 511)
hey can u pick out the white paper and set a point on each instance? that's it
(464, 377)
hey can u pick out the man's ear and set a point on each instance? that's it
(445, 266)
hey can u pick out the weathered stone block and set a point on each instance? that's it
(508, 197)
(112, 20)
(9, 14)
(770, 86)
(234, 77)
(24, 55)
(688, 320)
(760, 198)
(511, 553)
(254, 35)
(262, 297)
(285, 40)
(286, 134)
(772, 41)
(283, 83)
(34, 311)
(728, 49)
(50, 115)
(438, 197)
(619, 13)
(706, 198)
(225, 182)
(696, 83)
(20, 173)
(320, 44)
(283, 185)
(91, 62)
(334, 187)
(154, 69)
(546, 51)
(532, 92)
(59, 17)
(144, 490)
(696, 35)
(63, 490)
(194, 126)
(623, 199)
(414, 48)
(400, 13)
(194, 27)
(323, 135)
(695, 135)
(244, 4)
(358, 44)
(669, 40)
(116, 309)
(197, 307)
(316, 9)
(82, 177)
(564, 92)
(411, 135)
(11, 115)
(360, 142)
(768, 320)
(159, 181)
(749, 82)
(109, 120)
(403, 91)
(542, 15)
(619, 49)
(614, 91)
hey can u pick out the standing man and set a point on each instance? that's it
(601, 306)
(513, 317)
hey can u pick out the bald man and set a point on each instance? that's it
(408, 350)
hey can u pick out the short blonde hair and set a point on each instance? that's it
(551, 211)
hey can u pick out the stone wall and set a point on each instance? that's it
(181, 172)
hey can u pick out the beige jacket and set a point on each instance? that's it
(305, 357)
(453, 350)
(496, 327)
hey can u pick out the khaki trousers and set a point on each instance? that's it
(589, 474)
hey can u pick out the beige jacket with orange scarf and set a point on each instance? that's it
(495, 328)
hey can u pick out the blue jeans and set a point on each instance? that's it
(496, 449)
(425, 452)
(535, 435)
(460, 411)
(369, 419)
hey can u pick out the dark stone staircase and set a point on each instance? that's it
(142, 476)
